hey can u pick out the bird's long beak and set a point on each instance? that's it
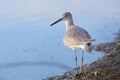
(57, 21)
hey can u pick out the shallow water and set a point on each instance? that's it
(31, 50)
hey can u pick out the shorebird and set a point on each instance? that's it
(75, 37)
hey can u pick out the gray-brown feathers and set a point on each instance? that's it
(76, 36)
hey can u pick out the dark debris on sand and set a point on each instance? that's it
(105, 68)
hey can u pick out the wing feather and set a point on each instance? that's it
(76, 36)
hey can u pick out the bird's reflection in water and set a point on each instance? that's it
(37, 63)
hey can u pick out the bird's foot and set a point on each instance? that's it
(78, 75)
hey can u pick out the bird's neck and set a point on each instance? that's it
(69, 24)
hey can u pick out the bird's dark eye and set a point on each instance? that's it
(66, 15)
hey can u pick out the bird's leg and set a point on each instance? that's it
(75, 58)
(82, 59)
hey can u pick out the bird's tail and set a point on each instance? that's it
(93, 40)
(88, 49)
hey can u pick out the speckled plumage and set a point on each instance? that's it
(75, 37)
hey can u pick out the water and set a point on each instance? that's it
(31, 50)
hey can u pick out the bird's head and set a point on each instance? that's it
(65, 16)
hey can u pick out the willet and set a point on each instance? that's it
(75, 37)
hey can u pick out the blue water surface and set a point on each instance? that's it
(30, 49)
